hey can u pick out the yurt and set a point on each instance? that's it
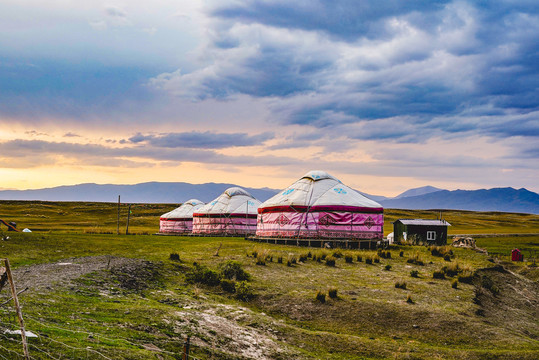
(234, 212)
(319, 206)
(180, 220)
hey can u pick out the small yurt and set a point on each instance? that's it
(179, 220)
(319, 206)
(234, 212)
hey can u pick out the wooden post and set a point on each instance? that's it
(186, 346)
(128, 216)
(18, 309)
(118, 227)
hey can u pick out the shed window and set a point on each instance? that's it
(431, 235)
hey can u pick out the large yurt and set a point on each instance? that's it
(179, 220)
(234, 212)
(319, 206)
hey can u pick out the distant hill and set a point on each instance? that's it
(150, 192)
(418, 191)
(428, 197)
(497, 199)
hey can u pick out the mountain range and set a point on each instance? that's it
(427, 197)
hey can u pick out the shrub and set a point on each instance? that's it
(203, 275)
(349, 259)
(409, 299)
(401, 253)
(400, 284)
(330, 261)
(466, 277)
(228, 285)
(244, 291)
(233, 270)
(414, 273)
(454, 283)
(387, 267)
(321, 296)
(359, 258)
(438, 274)
(174, 257)
(332, 293)
(261, 260)
(416, 259)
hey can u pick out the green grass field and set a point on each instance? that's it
(144, 310)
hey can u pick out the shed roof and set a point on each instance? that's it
(423, 222)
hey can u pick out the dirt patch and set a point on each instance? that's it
(508, 300)
(62, 273)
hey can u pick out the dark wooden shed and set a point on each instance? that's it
(433, 232)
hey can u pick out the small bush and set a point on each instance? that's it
(228, 285)
(332, 293)
(203, 275)
(359, 258)
(349, 259)
(466, 277)
(233, 270)
(438, 274)
(244, 291)
(454, 283)
(400, 284)
(321, 296)
(414, 273)
(330, 261)
(174, 257)
(416, 259)
(401, 253)
(387, 267)
(409, 299)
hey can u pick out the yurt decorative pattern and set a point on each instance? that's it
(319, 206)
(234, 212)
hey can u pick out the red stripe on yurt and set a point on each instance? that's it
(176, 219)
(302, 209)
(243, 216)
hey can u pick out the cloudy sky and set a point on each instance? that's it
(385, 95)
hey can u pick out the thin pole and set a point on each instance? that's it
(118, 223)
(17, 308)
(128, 216)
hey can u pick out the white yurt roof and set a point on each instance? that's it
(234, 200)
(185, 210)
(318, 188)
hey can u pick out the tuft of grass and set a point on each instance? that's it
(359, 258)
(332, 293)
(414, 273)
(387, 267)
(174, 257)
(376, 258)
(303, 258)
(401, 253)
(330, 261)
(368, 260)
(466, 277)
(384, 254)
(438, 274)
(228, 285)
(337, 254)
(409, 299)
(244, 291)
(279, 259)
(441, 251)
(454, 283)
(416, 259)
(260, 260)
(349, 259)
(321, 297)
(400, 284)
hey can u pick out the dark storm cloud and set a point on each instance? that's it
(201, 140)
(436, 67)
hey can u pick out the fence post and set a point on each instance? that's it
(128, 216)
(186, 346)
(17, 308)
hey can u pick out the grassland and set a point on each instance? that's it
(142, 305)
